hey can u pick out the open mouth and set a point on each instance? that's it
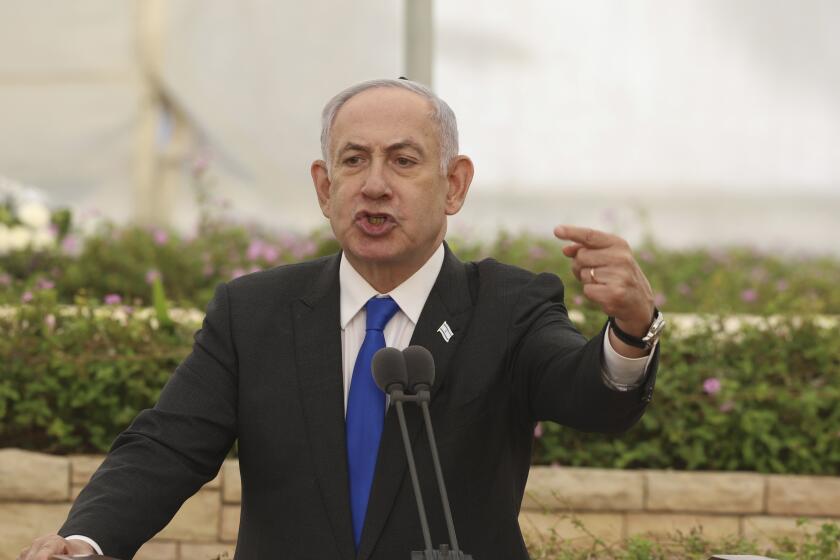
(375, 224)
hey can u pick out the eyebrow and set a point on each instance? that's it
(350, 146)
(406, 144)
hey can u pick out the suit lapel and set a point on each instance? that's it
(449, 301)
(318, 356)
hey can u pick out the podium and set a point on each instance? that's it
(88, 557)
(442, 554)
(438, 555)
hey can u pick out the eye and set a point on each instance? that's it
(353, 160)
(403, 161)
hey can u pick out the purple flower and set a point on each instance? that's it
(200, 165)
(152, 275)
(782, 285)
(236, 273)
(536, 252)
(578, 300)
(303, 248)
(70, 246)
(160, 236)
(659, 299)
(712, 386)
(270, 253)
(255, 249)
(749, 296)
(49, 322)
(646, 256)
(286, 240)
(727, 406)
(112, 299)
(5, 279)
(207, 271)
(719, 255)
(26, 297)
(684, 289)
(538, 430)
(44, 284)
(758, 274)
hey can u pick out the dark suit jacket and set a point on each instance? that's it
(266, 369)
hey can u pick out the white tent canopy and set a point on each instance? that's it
(718, 120)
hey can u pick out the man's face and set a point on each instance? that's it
(385, 197)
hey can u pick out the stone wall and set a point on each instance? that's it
(36, 491)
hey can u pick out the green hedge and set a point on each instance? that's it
(124, 260)
(72, 382)
(764, 400)
(822, 543)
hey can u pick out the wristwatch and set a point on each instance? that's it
(657, 325)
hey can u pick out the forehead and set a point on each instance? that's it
(381, 116)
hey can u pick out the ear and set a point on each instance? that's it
(321, 180)
(460, 176)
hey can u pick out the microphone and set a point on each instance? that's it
(413, 371)
(420, 369)
(389, 374)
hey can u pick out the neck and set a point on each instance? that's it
(384, 277)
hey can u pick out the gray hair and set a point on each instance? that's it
(442, 114)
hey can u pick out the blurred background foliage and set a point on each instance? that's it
(762, 400)
(92, 331)
(122, 260)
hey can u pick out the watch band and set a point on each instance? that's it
(644, 343)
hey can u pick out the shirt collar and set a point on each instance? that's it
(411, 295)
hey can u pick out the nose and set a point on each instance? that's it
(376, 184)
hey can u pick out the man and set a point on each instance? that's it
(279, 364)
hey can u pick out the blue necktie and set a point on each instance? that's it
(366, 412)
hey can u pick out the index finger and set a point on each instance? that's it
(587, 237)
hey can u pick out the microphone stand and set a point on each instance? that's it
(423, 397)
(444, 553)
(397, 396)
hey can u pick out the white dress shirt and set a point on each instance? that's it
(621, 373)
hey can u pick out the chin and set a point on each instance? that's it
(381, 255)
(372, 250)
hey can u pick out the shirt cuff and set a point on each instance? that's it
(620, 372)
(91, 542)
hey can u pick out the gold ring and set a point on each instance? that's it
(592, 275)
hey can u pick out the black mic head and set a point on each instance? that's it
(388, 367)
(420, 365)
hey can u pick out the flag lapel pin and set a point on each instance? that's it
(445, 331)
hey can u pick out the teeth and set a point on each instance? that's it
(376, 220)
